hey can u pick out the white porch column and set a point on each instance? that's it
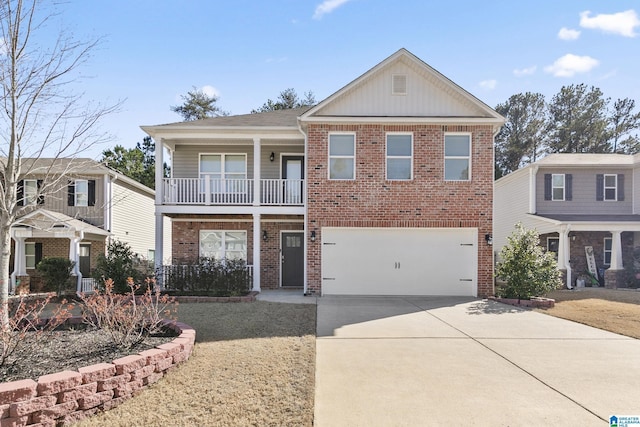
(257, 150)
(159, 253)
(616, 251)
(19, 262)
(564, 254)
(159, 172)
(257, 241)
(74, 251)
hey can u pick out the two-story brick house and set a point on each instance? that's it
(579, 203)
(385, 187)
(70, 208)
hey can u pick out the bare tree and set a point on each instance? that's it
(40, 114)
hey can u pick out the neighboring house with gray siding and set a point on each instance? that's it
(72, 208)
(576, 202)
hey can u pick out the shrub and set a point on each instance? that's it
(28, 330)
(56, 273)
(208, 276)
(118, 265)
(128, 319)
(527, 270)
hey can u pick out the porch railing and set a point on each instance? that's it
(188, 278)
(87, 285)
(203, 191)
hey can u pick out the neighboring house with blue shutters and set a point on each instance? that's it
(578, 203)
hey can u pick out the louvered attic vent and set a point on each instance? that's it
(399, 84)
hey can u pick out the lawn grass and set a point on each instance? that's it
(253, 365)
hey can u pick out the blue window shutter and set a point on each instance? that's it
(71, 194)
(547, 186)
(599, 187)
(92, 192)
(40, 195)
(20, 195)
(620, 187)
(568, 187)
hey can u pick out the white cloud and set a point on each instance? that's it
(621, 23)
(327, 6)
(570, 65)
(525, 71)
(568, 34)
(210, 91)
(488, 84)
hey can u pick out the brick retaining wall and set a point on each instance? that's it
(69, 396)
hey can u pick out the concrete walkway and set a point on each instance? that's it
(422, 361)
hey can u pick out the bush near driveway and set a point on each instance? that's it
(253, 364)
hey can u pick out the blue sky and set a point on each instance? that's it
(248, 51)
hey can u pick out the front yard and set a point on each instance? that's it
(253, 365)
(612, 310)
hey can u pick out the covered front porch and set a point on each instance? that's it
(592, 243)
(43, 233)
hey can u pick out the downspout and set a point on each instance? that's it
(305, 273)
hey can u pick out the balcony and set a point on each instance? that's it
(216, 192)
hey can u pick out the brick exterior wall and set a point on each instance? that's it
(425, 201)
(186, 240)
(578, 258)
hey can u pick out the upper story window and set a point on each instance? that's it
(82, 192)
(399, 156)
(342, 156)
(457, 157)
(28, 192)
(227, 172)
(558, 186)
(610, 187)
(221, 244)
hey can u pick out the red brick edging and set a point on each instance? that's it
(535, 302)
(69, 396)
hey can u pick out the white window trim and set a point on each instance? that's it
(76, 192)
(387, 157)
(25, 196)
(605, 188)
(224, 246)
(468, 158)
(564, 187)
(329, 156)
(223, 174)
(26, 256)
(604, 250)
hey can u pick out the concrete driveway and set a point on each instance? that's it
(421, 361)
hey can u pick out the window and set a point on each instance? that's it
(151, 257)
(220, 244)
(457, 157)
(399, 156)
(82, 192)
(553, 243)
(30, 189)
(557, 186)
(227, 172)
(30, 254)
(342, 156)
(611, 187)
(607, 250)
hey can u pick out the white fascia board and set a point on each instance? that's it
(591, 225)
(403, 120)
(227, 132)
(230, 210)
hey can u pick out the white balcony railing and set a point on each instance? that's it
(202, 191)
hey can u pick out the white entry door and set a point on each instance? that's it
(399, 261)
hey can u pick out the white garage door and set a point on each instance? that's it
(393, 261)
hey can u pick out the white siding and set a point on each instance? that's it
(426, 96)
(510, 205)
(133, 218)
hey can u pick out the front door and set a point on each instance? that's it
(292, 259)
(84, 258)
(293, 174)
